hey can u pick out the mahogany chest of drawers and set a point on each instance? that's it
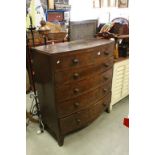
(73, 82)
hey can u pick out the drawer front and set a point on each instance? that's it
(102, 53)
(76, 59)
(84, 117)
(74, 75)
(77, 88)
(73, 105)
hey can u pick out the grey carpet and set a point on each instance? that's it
(105, 136)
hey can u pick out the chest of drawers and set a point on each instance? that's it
(73, 82)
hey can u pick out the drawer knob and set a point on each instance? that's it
(106, 64)
(98, 53)
(106, 53)
(76, 75)
(75, 61)
(105, 78)
(58, 61)
(105, 90)
(76, 90)
(78, 121)
(76, 104)
(104, 104)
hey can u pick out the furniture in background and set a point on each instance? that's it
(36, 39)
(118, 29)
(73, 82)
(55, 15)
(60, 17)
(120, 81)
(58, 37)
(58, 12)
(121, 31)
(121, 49)
(85, 29)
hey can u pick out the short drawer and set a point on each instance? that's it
(71, 90)
(74, 75)
(102, 53)
(80, 102)
(82, 58)
(84, 117)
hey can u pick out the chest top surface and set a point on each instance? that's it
(71, 46)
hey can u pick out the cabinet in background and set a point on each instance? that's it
(120, 81)
(59, 16)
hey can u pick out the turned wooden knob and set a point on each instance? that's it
(105, 78)
(76, 75)
(106, 64)
(78, 121)
(105, 90)
(76, 104)
(58, 62)
(98, 53)
(76, 90)
(75, 61)
(106, 53)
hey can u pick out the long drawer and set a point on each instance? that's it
(80, 102)
(74, 75)
(105, 88)
(71, 90)
(84, 117)
(82, 58)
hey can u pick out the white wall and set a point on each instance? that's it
(116, 12)
(83, 10)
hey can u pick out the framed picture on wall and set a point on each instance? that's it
(122, 3)
(96, 3)
(108, 3)
(111, 3)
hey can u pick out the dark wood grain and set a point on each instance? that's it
(83, 101)
(75, 59)
(62, 48)
(73, 90)
(83, 117)
(44, 81)
(68, 75)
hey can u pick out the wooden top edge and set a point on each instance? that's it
(71, 46)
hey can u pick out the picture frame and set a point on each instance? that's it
(123, 3)
(111, 3)
(108, 3)
(96, 3)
